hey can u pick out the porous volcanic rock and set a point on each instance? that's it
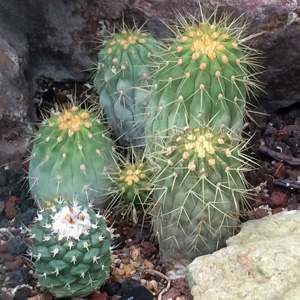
(262, 262)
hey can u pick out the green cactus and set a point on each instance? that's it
(122, 81)
(203, 80)
(71, 249)
(134, 185)
(199, 193)
(71, 156)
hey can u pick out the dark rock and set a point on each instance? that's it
(22, 293)
(111, 288)
(277, 199)
(127, 286)
(20, 276)
(25, 218)
(17, 246)
(14, 104)
(118, 243)
(65, 41)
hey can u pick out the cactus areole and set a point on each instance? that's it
(71, 248)
(70, 157)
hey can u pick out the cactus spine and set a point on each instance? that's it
(70, 157)
(134, 181)
(71, 248)
(198, 195)
(202, 81)
(122, 81)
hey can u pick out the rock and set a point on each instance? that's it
(65, 43)
(127, 286)
(14, 95)
(25, 218)
(278, 199)
(172, 293)
(22, 293)
(262, 262)
(111, 288)
(10, 209)
(20, 276)
(16, 246)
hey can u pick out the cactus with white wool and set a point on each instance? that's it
(71, 249)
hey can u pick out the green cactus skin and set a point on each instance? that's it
(198, 194)
(70, 266)
(70, 157)
(122, 81)
(134, 187)
(202, 81)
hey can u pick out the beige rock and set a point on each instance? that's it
(262, 262)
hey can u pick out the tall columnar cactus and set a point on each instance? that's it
(199, 193)
(122, 81)
(71, 249)
(202, 81)
(71, 156)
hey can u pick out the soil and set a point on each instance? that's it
(275, 146)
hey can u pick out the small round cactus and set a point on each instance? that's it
(122, 81)
(71, 249)
(71, 156)
(134, 186)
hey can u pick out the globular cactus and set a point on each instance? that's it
(199, 193)
(122, 81)
(134, 186)
(71, 249)
(71, 156)
(203, 80)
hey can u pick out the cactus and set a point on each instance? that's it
(202, 81)
(198, 194)
(70, 157)
(122, 81)
(134, 185)
(71, 248)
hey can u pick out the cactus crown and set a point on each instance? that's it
(127, 38)
(204, 39)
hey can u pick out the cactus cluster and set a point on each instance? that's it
(71, 156)
(189, 111)
(71, 248)
(122, 81)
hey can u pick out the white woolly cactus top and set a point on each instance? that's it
(71, 222)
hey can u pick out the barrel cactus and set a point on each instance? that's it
(122, 81)
(70, 157)
(199, 193)
(203, 80)
(71, 249)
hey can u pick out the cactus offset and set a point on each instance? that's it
(70, 157)
(122, 81)
(134, 186)
(203, 80)
(71, 248)
(199, 193)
